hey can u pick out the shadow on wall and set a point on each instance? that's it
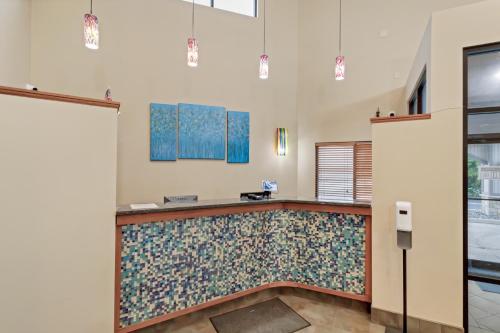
(352, 122)
(349, 122)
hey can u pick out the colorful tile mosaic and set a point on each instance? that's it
(168, 266)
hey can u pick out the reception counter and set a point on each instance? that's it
(181, 258)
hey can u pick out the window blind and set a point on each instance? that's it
(363, 171)
(343, 171)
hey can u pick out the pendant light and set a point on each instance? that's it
(264, 58)
(192, 55)
(91, 30)
(340, 61)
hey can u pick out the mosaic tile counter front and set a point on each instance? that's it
(168, 266)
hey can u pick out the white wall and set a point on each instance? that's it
(377, 68)
(143, 59)
(15, 23)
(421, 62)
(424, 165)
(421, 162)
(57, 216)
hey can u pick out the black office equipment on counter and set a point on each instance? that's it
(180, 199)
(265, 195)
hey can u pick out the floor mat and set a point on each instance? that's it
(272, 316)
(490, 288)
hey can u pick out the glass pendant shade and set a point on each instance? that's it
(340, 68)
(192, 55)
(264, 67)
(91, 31)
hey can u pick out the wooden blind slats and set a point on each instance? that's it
(344, 171)
(363, 171)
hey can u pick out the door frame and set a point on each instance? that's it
(468, 51)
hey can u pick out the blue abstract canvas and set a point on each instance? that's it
(163, 140)
(238, 137)
(202, 132)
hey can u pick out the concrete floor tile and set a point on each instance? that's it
(326, 315)
(485, 307)
(492, 323)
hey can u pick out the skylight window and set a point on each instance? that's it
(243, 7)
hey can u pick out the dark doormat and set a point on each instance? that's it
(490, 288)
(272, 316)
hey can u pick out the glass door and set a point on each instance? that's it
(482, 189)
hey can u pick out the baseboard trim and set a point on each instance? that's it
(415, 325)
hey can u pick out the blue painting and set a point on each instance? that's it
(202, 132)
(163, 140)
(238, 137)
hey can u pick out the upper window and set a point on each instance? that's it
(418, 100)
(484, 79)
(344, 171)
(244, 7)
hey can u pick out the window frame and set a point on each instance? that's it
(354, 144)
(212, 5)
(471, 139)
(416, 95)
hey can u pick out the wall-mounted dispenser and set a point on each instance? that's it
(404, 227)
(404, 224)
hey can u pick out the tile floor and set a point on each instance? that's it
(326, 314)
(484, 310)
(484, 240)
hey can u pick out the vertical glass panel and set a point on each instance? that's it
(484, 209)
(484, 80)
(484, 123)
(245, 7)
(484, 307)
(423, 93)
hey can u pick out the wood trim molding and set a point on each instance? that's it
(169, 316)
(368, 257)
(329, 208)
(118, 277)
(122, 220)
(400, 118)
(57, 97)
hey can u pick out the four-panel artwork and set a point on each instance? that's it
(191, 131)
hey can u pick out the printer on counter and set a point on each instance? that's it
(255, 196)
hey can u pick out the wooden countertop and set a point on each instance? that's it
(126, 215)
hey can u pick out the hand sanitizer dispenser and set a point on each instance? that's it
(404, 229)
(404, 225)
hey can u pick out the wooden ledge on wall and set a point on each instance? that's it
(400, 118)
(58, 97)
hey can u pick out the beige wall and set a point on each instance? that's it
(453, 30)
(424, 166)
(58, 176)
(143, 59)
(377, 68)
(417, 162)
(15, 17)
(421, 62)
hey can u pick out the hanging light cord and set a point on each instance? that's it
(340, 28)
(192, 22)
(91, 7)
(264, 26)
